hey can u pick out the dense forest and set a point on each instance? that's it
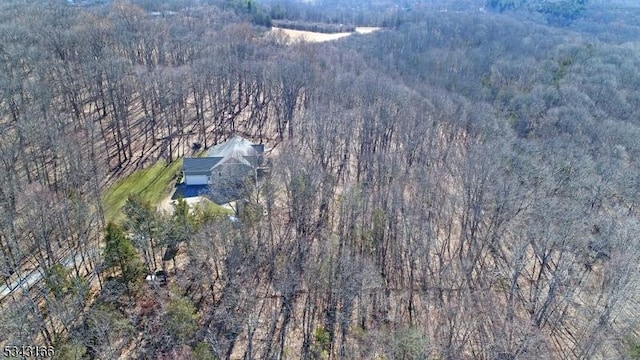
(461, 184)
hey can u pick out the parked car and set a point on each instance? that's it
(159, 277)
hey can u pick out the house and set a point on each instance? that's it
(226, 165)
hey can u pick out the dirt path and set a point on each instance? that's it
(166, 204)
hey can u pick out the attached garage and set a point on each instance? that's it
(195, 179)
(197, 171)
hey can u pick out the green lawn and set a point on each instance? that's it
(152, 184)
(212, 209)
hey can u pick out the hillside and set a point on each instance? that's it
(459, 184)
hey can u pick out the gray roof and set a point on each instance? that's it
(258, 148)
(200, 166)
(236, 150)
(255, 161)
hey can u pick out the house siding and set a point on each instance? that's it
(230, 175)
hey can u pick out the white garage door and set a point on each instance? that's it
(196, 180)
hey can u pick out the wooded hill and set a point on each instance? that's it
(461, 185)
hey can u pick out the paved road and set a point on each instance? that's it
(27, 280)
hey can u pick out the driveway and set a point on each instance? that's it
(28, 279)
(193, 194)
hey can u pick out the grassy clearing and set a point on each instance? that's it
(310, 36)
(152, 184)
(207, 209)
